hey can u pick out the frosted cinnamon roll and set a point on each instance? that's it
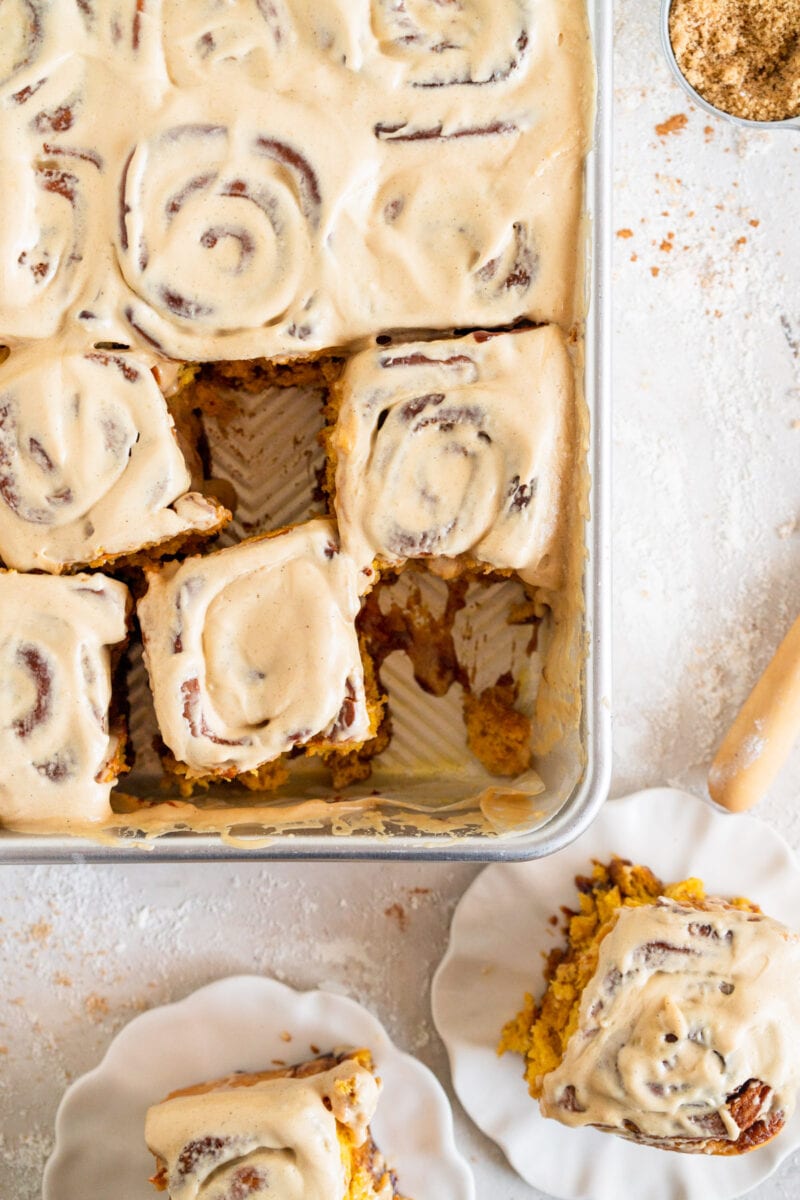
(671, 1018)
(457, 450)
(217, 236)
(37, 33)
(90, 468)
(261, 41)
(47, 204)
(252, 652)
(58, 159)
(436, 45)
(60, 753)
(274, 1135)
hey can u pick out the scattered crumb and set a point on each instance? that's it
(654, 271)
(398, 913)
(285, 1036)
(674, 124)
(96, 1007)
(624, 233)
(40, 932)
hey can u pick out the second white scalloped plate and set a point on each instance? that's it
(242, 1023)
(499, 931)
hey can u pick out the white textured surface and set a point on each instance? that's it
(707, 546)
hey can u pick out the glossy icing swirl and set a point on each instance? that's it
(686, 1007)
(274, 1139)
(252, 651)
(456, 448)
(90, 468)
(55, 690)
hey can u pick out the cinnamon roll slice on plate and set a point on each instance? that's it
(671, 1018)
(252, 653)
(90, 465)
(293, 1131)
(61, 742)
(456, 452)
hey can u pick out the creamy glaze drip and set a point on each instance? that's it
(266, 188)
(456, 447)
(685, 1007)
(252, 650)
(89, 463)
(278, 1136)
(55, 691)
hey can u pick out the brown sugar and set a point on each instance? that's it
(742, 56)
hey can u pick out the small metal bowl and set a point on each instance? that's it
(742, 122)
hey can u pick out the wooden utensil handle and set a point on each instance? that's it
(759, 741)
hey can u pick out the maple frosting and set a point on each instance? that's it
(265, 187)
(90, 467)
(277, 1136)
(456, 448)
(56, 747)
(685, 1008)
(252, 651)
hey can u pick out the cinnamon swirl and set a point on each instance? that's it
(59, 752)
(219, 237)
(258, 40)
(252, 652)
(47, 207)
(671, 1018)
(472, 42)
(456, 450)
(277, 1134)
(90, 469)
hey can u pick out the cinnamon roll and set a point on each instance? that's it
(22, 45)
(46, 211)
(301, 1130)
(252, 652)
(456, 450)
(57, 157)
(472, 42)
(216, 237)
(262, 41)
(60, 752)
(671, 1018)
(90, 468)
(245, 36)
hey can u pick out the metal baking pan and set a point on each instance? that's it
(421, 802)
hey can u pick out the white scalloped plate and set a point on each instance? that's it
(241, 1023)
(499, 931)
